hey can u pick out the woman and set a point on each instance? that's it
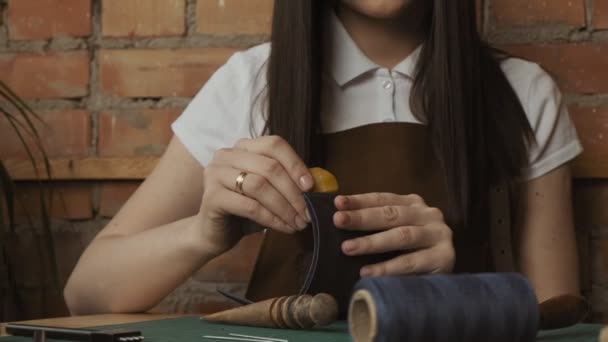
(334, 74)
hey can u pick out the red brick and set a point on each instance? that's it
(114, 195)
(72, 201)
(24, 249)
(507, 13)
(600, 14)
(600, 260)
(64, 134)
(157, 73)
(139, 132)
(194, 300)
(46, 75)
(579, 68)
(234, 16)
(29, 252)
(29, 256)
(143, 18)
(234, 266)
(592, 127)
(42, 303)
(43, 19)
(590, 198)
(69, 246)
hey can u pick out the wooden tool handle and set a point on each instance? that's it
(324, 180)
(293, 312)
(304, 311)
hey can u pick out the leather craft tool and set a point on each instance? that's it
(293, 312)
(246, 338)
(319, 265)
(318, 254)
(42, 333)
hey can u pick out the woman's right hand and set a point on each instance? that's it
(271, 194)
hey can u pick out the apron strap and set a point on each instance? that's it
(501, 229)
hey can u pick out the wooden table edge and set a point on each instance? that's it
(95, 320)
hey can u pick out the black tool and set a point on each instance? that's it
(41, 333)
(234, 298)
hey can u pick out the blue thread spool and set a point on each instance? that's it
(444, 308)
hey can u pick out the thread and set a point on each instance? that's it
(604, 335)
(444, 308)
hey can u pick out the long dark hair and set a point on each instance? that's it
(479, 129)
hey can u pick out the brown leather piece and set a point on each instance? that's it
(501, 229)
(281, 265)
(388, 157)
(563, 311)
(398, 158)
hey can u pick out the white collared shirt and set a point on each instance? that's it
(358, 92)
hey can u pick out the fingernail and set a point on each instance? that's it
(282, 225)
(307, 213)
(366, 272)
(290, 228)
(343, 218)
(342, 201)
(349, 246)
(306, 182)
(337, 220)
(300, 222)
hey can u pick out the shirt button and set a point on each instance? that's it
(387, 84)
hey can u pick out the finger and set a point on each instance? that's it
(376, 199)
(259, 189)
(278, 149)
(387, 217)
(233, 203)
(396, 239)
(439, 259)
(270, 169)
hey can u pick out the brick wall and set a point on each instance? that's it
(109, 76)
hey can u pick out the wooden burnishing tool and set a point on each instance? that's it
(292, 312)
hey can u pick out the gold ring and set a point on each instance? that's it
(239, 182)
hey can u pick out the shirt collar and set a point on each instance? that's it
(407, 67)
(348, 62)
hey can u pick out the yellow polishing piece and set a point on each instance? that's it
(325, 181)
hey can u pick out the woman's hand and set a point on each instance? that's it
(271, 190)
(402, 223)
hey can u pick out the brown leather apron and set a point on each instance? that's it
(387, 157)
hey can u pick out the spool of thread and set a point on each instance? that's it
(444, 308)
(604, 335)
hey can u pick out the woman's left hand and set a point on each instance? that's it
(403, 223)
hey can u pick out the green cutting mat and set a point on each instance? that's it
(192, 329)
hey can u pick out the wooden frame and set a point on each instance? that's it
(138, 168)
